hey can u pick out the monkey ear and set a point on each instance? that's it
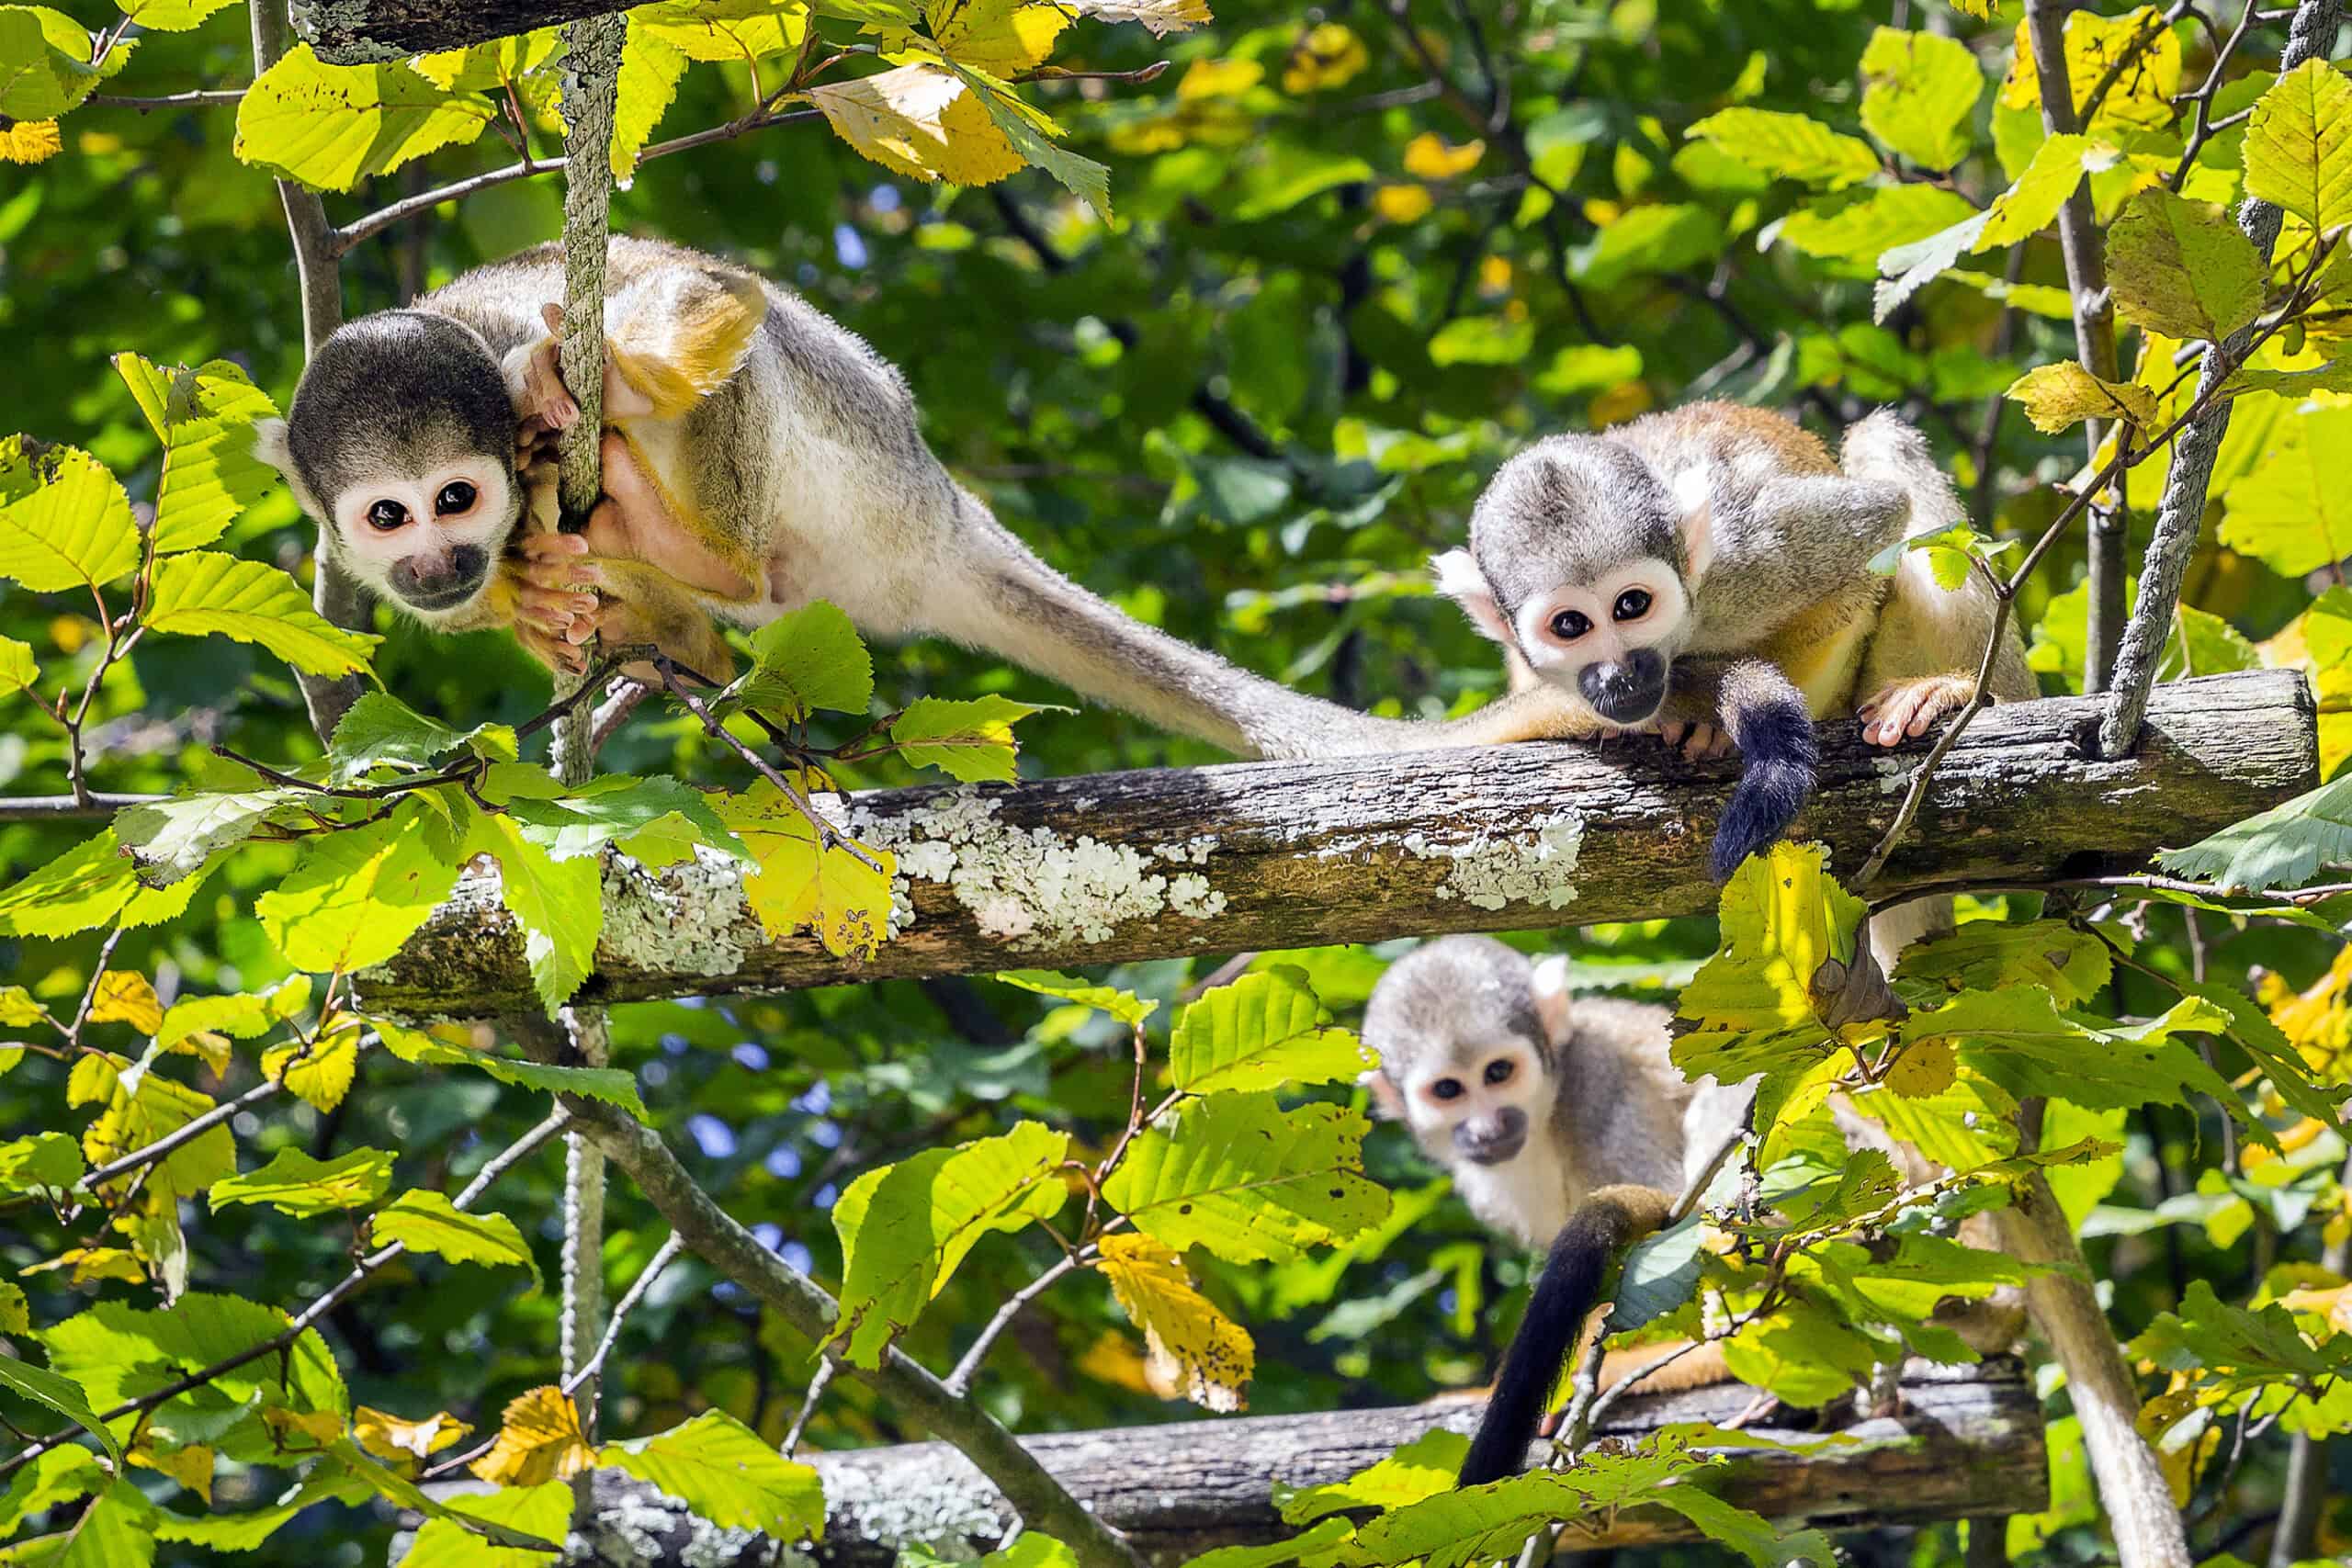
(1387, 1100)
(1551, 997)
(1698, 524)
(269, 444)
(1459, 578)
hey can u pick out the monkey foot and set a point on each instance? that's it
(1908, 709)
(1697, 742)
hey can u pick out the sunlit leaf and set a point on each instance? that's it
(294, 1183)
(426, 1221)
(2292, 512)
(920, 120)
(2058, 396)
(1248, 1179)
(204, 417)
(1127, 1008)
(539, 1441)
(1193, 1350)
(2182, 269)
(970, 740)
(1263, 1030)
(2299, 145)
(331, 126)
(68, 525)
(357, 895)
(1918, 92)
(1790, 146)
(726, 1474)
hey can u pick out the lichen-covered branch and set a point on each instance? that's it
(711, 1234)
(1963, 1443)
(355, 32)
(1266, 855)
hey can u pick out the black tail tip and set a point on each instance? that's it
(1782, 760)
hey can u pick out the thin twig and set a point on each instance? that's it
(959, 1382)
(661, 1260)
(826, 1368)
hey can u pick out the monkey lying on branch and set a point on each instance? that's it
(760, 456)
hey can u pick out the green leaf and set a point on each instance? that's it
(1660, 1273)
(729, 1475)
(45, 62)
(204, 417)
(68, 524)
(2182, 269)
(59, 1394)
(117, 1353)
(488, 1517)
(1865, 225)
(87, 885)
(2029, 205)
(357, 895)
(559, 904)
(809, 660)
(172, 839)
(252, 602)
(295, 1184)
(142, 1107)
(652, 67)
(1324, 1545)
(1030, 131)
(1251, 1181)
(17, 670)
(2279, 848)
(1789, 146)
(172, 15)
(614, 1086)
(2299, 145)
(1750, 1534)
(381, 731)
(426, 1221)
(1647, 240)
(1988, 955)
(1482, 339)
(543, 1511)
(1919, 90)
(1420, 1469)
(331, 126)
(2056, 397)
(968, 740)
(43, 1160)
(2293, 385)
(1263, 1030)
(905, 1227)
(1124, 1006)
(2243, 1348)
(2292, 511)
(1288, 173)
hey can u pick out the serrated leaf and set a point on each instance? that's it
(331, 126)
(379, 730)
(88, 885)
(117, 1352)
(43, 1160)
(1419, 1470)
(2292, 511)
(2242, 1347)
(125, 996)
(1918, 92)
(803, 881)
(726, 1474)
(2299, 145)
(2182, 269)
(426, 1221)
(1251, 1181)
(1030, 132)
(45, 66)
(171, 839)
(204, 417)
(539, 1441)
(17, 670)
(1127, 1008)
(1658, 238)
(559, 903)
(319, 1071)
(294, 1183)
(2057, 397)
(614, 1086)
(1263, 1030)
(920, 120)
(1476, 1524)
(2279, 848)
(809, 660)
(1660, 1272)
(905, 1227)
(253, 601)
(61, 1395)
(455, 1540)
(172, 15)
(2141, 95)
(970, 740)
(1789, 146)
(2033, 201)
(725, 33)
(357, 895)
(398, 1441)
(651, 68)
(142, 1107)
(1986, 956)
(1865, 225)
(71, 526)
(1191, 1349)
(2293, 385)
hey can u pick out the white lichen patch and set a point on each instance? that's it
(1893, 774)
(1494, 871)
(1033, 887)
(681, 920)
(943, 1508)
(637, 1532)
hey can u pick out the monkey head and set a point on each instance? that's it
(401, 443)
(1582, 562)
(1468, 1029)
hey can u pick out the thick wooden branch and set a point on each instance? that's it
(354, 32)
(1965, 1443)
(1118, 866)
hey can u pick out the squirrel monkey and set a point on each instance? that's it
(759, 457)
(1702, 572)
(1562, 1121)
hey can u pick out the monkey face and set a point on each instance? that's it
(429, 541)
(1610, 641)
(1474, 1102)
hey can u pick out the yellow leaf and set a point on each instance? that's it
(302, 1430)
(538, 1440)
(17, 1008)
(320, 1071)
(1219, 79)
(1402, 204)
(2299, 145)
(208, 1047)
(191, 1466)
(92, 1264)
(1428, 157)
(1193, 1350)
(1494, 278)
(2057, 396)
(2142, 95)
(921, 121)
(1328, 56)
(125, 996)
(1112, 1358)
(30, 142)
(828, 888)
(331, 126)
(1925, 1069)
(1003, 37)
(388, 1437)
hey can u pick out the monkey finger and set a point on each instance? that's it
(1672, 732)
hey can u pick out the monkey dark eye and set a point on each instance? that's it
(1499, 1070)
(1631, 604)
(1447, 1088)
(1570, 625)
(386, 515)
(456, 496)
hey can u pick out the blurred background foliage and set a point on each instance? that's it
(1361, 253)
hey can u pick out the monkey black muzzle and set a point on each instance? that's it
(1627, 692)
(442, 583)
(1490, 1140)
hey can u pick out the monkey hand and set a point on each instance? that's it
(543, 404)
(1908, 709)
(1699, 742)
(557, 609)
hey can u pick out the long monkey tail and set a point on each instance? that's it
(1612, 1218)
(1781, 762)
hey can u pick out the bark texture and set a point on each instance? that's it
(1116, 866)
(1967, 1443)
(355, 32)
